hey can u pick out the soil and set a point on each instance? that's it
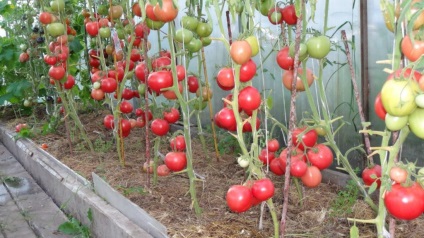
(315, 215)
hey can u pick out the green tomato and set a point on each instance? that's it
(141, 89)
(242, 162)
(194, 45)
(199, 106)
(254, 44)
(57, 5)
(204, 29)
(183, 36)
(104, 32)
(103, 10)
(55, 29)
(398, 96)
(121, 33)
(419, 100)
(416, 122)
(206, 41)
(189, 22)
(263, 6)
(395, 123)
(303, 51)
(318, 47)
(154, 25)
(23, 47)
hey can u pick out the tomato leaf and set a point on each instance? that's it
(372, 188)
(269, 102)
(354, 231)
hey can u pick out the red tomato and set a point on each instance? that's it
(371, 174)
(289, 15)
(398, 174)
(288, 77)
(126, 107)
(276, 168)
(320, 156)
(273, 145)
(57, 72)
(225, 78)
(70, 82)
(247, 71)
(412, 51)
(117, 74)
(167, 12)
(92, 28)
(108, 85)
(20, 126)
(136, 10)
(249, 99)
(263, 189)
(141, 71)
(149, 12)
(298, 168)
(140, 113)
(171, 116)
(379, 108)
(97, 94)
(160, 127)
(127, 94)
(265, 156)
(312, 178)
(240, 51)
(178, 143)
(284, 60)
(50, 59)
(247, 127)
(161, 62)
(97, 76)
(181, 72)
(308, 140)
(225, 119)
(405, 203)
(140, 122)
(176, 161)
(140, 29)
(239, 198)
(296, 154)
(193, 84)
(125, 128)
(159, 80)
(163, 170)
(170, 94)
(45, 18)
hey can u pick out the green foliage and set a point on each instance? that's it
(101, 145)
(228, 144)
(132, 190)
(346, 198)
(75, 228)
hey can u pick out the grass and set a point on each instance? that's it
(342, 205)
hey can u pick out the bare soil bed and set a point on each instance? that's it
(169, 201)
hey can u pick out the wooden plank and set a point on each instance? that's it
(128, 208)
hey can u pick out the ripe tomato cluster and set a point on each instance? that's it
(241, 198)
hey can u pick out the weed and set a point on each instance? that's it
(346, 198)
(132, 190)
(228, 144)
(101, 145)
(75, 228)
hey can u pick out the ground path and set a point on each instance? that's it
(26, 211)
